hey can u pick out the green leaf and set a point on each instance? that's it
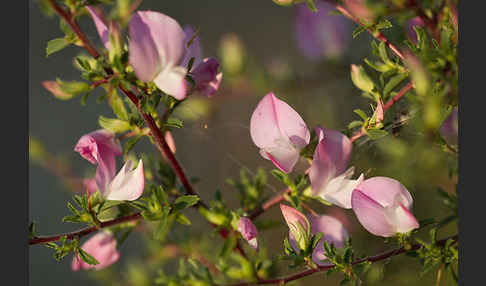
(114, 125)
(354, 124)
(375, 134)
(161, 230)
(361, 114)
(394, 82)
(117, 105)
(86, 257)
(174, 122)
(383, 24)
(56, 45)
(358, 31)
(182, 219)
(73, 87)
(185, 202)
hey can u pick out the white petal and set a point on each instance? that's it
(128, 184)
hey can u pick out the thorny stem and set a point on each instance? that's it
(375, 258)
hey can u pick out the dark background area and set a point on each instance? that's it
(217, 145)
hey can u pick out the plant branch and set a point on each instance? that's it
(387, 106)
(69, 18)
(269, 203)
(85, 231)
(371, 259)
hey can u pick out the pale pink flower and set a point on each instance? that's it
(279, 132)
(248, 231)
(383, 207)
(102, 246)
(328, 175)
(100, 147)
(156, 50)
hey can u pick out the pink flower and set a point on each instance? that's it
(332, 229)
(102, 246)
(450, 128)
(248, 231)
(156, 50)
(416, 21)
(382, 205)
(101, 26)
(207, 77)
(328, 175)
(100, 147)
(204, 71)
(334, 233)
(279, 132)
(320, 35)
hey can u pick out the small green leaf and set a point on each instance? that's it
(394, 82)
(354, 124)
(114, 125)
(117, 105)
(56, 45)
(174, 122)
(375, 134)
(86, 257)
(361, 114)
(358, 31)
(185, 202)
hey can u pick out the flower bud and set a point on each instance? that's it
(54, 88)
(450, 127)
(298, 224)
(416, 21)
(207, 77)
(248, 231)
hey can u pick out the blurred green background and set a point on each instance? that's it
(215, 142)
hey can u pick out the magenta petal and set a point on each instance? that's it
(450, 128)
(143, 54)
(128, 184)
(102, 246)
(371, 214)
(334, 232)
(248, 231)
(194, 50)
(100, 24)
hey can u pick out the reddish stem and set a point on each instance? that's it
(371, 259)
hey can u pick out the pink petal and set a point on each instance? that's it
(371, 215)
(335, 145)
(278, 130)
(106, 168)
(334, 232)
(248, 231)
(102, 246)
(384, 191)
(173, 82)
(128, 184)
(143, 54)
(293, 216)
(167, 35)
(100, 23)
(194, 50)
(403, 220)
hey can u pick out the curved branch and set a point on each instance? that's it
(372, 259)
(85, 231)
